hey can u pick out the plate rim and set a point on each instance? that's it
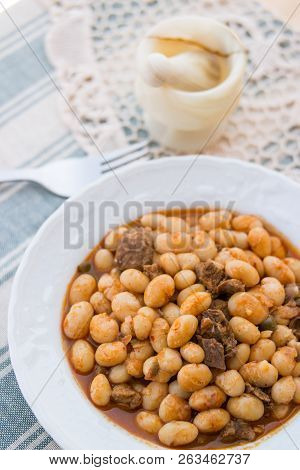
(13, 352)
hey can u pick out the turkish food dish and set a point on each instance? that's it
(184, 328)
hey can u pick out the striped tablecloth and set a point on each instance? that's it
(31, 134)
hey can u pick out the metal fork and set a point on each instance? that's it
(66, 177)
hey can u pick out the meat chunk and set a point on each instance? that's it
(210, 274)
(126, 396)
(295, 326)
(214, 353)
(152, 270)
(229, 287)
(135, 249)
(220, 304)
(258, 392)
(237, 430)
(215, 325)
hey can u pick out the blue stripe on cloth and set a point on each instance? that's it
(3, 350)
(25, 107)
(48, 147)
(4, 364)
(17, 101)
(23, 213)
(21, 69)
(15, 415)
(20, 223)
(17, 39)
(31, 438)
(23, 26)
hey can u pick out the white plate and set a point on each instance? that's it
(35, 308)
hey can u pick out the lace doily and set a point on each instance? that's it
(93, 44)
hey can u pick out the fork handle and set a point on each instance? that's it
(17, 175)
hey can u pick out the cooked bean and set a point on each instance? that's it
(296, 397)
(100, 303)
(149, 422)
(118, 374)
(196, 303)
(82, 356)
(169, 360)
(177, 242)
(242, 271)
(103, 329)
(134, 367)
(112, 239)
(244, 331)
(275, 267)
(142, 326)
(174, 408)
(153, 372)
(245, 222)
(175, 389)
(125, 304)
(215, 219)
(103, 260)
(280, 411)
(100, 390)
(204, 246)
(258, 293)
(177, 433)
(294, 265)
(184, 279)
(207, 398)
(159, 334)
(211, 421)
(240, 358)
(154, 220)
(82, 288)
(245, 305)
(149, 313)
(260, 241)
(282, 335)
(182, 331)
(185, 293)
(256, 262)
(153, 395)
(259, 374)
(174, 224)
(77, 321)
(274, 290)
(296, 370)
(159, 291)
(284, 360)
(170, 312)
(246, 407)
(141, 350)
(192, 352)
(229, 238)
(187, 260)
(262, 350)
(134, 280)
(229, 254)
(170, 264)
(231, 382)
(192, 377)
(284, 390)
(278, 248)
(111, 354)
(126, 327)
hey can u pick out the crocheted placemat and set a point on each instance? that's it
(93, 45)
